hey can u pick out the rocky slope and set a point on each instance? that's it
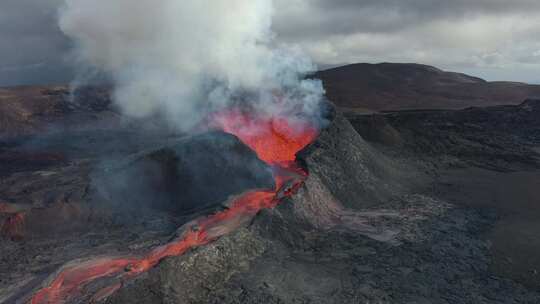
(382, 218)
(113, 201)
(386, 243)
(481, 158)
(393, 86)
(497, 138)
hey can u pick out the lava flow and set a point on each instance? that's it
(274, 139)
(13, 226)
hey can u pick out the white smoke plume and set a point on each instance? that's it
(182, 57)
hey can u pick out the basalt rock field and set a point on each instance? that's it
(416, 206)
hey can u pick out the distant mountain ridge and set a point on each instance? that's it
(406, 86)
(354, 88)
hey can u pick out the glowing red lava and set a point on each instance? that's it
(13, 226)
(275, 140)
(7, 208)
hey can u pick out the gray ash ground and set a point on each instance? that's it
(446, 262)
(479, 158)
(408, 216)
(499, 138)
(315, 248)
(110, 194)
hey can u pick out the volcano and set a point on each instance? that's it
(392, 207)
(272, 139)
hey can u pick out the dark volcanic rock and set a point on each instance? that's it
(485, 158)
(79, 208)
(304, 250)
(323, 246)
(339, 152)
(28, 110)
(313, 249)
(358, 231)
(194, 277)
(352, 171)
(190, 174)
(499, 137)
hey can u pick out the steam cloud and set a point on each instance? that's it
(183, 58)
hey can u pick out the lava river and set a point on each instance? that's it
(275, 140)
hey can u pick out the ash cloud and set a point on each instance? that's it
(32, 43)
(181, 59)
(494, 39)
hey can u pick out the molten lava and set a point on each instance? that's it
(276, 141)
(13, 226)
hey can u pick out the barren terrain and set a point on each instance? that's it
(392, 86)
(399, 207)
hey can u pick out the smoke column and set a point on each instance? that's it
(182, 59)
(191, 60)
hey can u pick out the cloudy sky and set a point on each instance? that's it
(494, 39)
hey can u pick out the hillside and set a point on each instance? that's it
(397, 207)
(397, 86)
(26, 110)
